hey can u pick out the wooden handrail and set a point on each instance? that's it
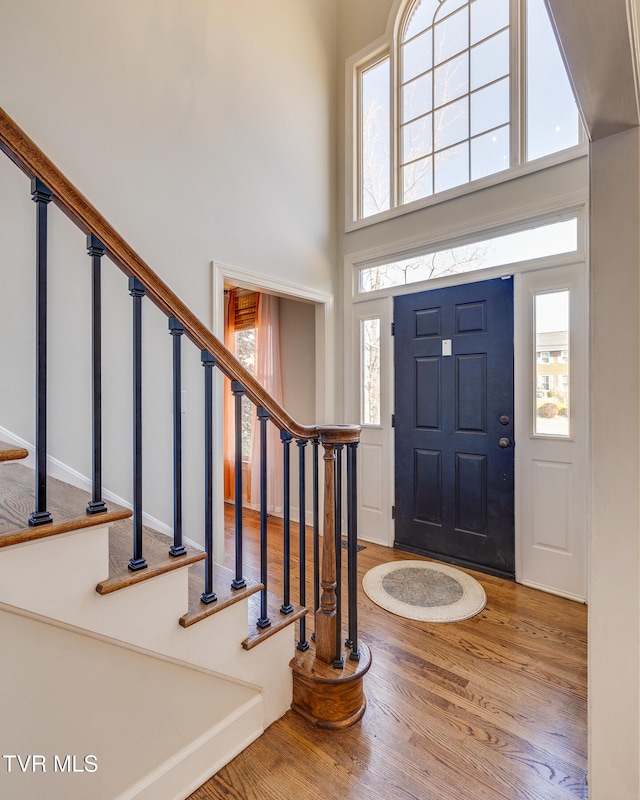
(35, 164)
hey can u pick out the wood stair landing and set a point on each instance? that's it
(66, 503)
(11, 452)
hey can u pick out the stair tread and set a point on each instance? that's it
(11, 452)
(226, 596)
(66, 504)
(277, 618)
(155, 550)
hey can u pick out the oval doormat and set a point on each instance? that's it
(424, 591)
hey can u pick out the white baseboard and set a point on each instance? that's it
(203, 757)
(552, 590)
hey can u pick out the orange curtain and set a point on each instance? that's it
(229, 415)
(269, 375)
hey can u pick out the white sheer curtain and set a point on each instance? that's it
(229, 415)
(269, 375)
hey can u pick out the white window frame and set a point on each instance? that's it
(388, 45)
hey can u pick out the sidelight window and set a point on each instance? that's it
(370, 371)
(552, 394)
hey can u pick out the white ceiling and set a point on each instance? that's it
(598, 39)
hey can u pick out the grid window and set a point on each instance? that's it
(456, 71)
(457, 110)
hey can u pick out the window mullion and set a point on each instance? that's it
(518, 81)
(395, 119)
(433, 110)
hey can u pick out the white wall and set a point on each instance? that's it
(188, 125)
(614, 618)
(298, 352)
(201, 130)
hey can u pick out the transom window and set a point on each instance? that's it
(474, 95)
(536, 242)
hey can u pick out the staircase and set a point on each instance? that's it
(135, 663)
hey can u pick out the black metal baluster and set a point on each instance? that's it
(137, 291)
(338, 661)
(238, 391)
(352, 544)
(316, 526)
(41, 196)
(176, 330)
(96, 250)
(286, 438)
(208, 362)
(303, 644)
(263, 418)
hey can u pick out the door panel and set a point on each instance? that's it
(454, 404)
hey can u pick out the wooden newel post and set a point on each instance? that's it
(328, 689)
(326, 618)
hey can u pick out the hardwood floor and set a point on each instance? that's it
(493, 708)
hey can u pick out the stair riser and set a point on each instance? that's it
(81, 560)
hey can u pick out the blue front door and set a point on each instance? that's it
(454, 425)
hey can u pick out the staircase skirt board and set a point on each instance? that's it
(146, 615)
(89, 686)
(204, 757)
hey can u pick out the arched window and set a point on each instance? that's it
(467, 89)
